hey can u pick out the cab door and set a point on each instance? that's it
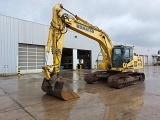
(117, 57)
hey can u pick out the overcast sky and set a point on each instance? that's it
(135, 22)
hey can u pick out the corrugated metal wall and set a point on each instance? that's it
(8, 44)
(14, 31)
(32, 33)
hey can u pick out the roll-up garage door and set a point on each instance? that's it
(31, 56)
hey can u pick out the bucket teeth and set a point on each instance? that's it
(58, 88)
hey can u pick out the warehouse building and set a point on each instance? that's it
(22, 43)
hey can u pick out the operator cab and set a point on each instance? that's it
(121, 54)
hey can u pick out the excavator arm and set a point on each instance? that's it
(55, 42)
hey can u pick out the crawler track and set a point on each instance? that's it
(125, 79)
(115, 79)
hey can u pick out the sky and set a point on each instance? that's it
(135, 22)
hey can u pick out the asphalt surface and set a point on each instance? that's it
(21, 98)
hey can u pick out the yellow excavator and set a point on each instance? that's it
(116, 66)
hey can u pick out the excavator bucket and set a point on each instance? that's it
(58, 88)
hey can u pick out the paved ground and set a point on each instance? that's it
(23, 99)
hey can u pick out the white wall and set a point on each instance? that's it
(8, 45)
(75, 61)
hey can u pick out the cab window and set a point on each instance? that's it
(128, 53)
(117, 54)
